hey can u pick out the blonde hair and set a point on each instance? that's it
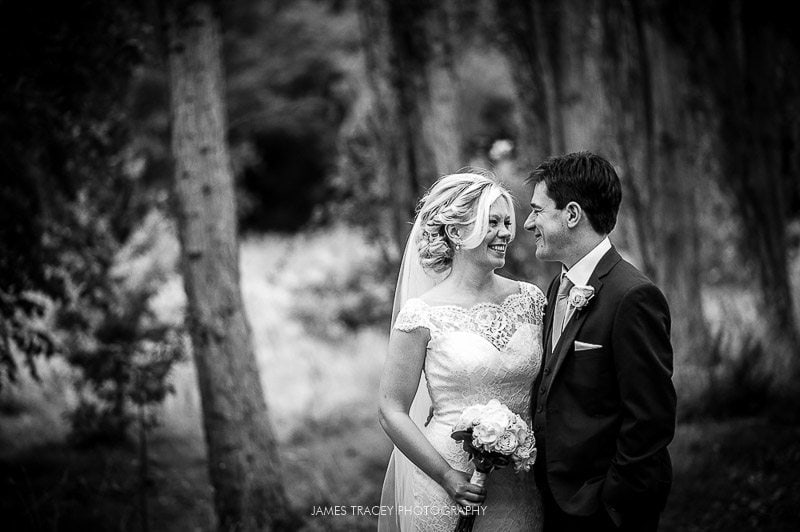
(460, 200)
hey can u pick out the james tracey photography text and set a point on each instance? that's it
(368, 511)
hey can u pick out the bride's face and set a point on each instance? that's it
(491, 252)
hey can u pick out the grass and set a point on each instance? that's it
(320, 378)
(735, 475)
(56, 487)
(321, 389)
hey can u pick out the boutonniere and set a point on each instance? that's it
(579, 296)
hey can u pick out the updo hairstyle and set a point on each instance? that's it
(460, 200)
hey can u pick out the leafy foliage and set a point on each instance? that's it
(63, 67)
(125, 358)
(71, 198)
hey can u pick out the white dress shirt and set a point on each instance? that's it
(580, 273)
(582, 270)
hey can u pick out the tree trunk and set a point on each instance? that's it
(645, 80)
(753, 92)
(242, 452)
(528, 35)
(529, 32)
(626, 79)
(395, 167)
(674, 202)
(411, 69)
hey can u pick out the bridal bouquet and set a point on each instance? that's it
(494, 437)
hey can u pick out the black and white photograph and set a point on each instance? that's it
(399, 266)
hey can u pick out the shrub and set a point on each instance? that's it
(124, 364)
(346, 283)
(742, 382)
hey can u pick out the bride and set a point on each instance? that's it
(461, 335)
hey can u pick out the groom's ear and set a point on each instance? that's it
(574, 214)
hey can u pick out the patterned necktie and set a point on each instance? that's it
(561, 308)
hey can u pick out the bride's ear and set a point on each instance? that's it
(452, 232)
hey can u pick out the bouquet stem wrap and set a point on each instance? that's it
(493, 437)
(466, 518)
(478, 478)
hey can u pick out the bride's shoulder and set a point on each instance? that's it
(413, 315)
(532, 289)
(535, 296)
(534, 302)
(525, 287)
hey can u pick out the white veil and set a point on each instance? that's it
(397, 492)
(397, 497)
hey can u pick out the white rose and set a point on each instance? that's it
(526, 449)
(524, 464)
(519, 427)
(522, 435)
(579, 296)
(497, 413)
(486, 433)
(522, 452)
(472, 414)
(506, 444)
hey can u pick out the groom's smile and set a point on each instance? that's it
(545, 224)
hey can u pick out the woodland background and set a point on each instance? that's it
(203, 204)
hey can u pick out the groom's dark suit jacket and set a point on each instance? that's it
(603, 417)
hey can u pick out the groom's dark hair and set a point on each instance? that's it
(587, 179)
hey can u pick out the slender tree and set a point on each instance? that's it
(411, 67)
(529, 31)
(672, 176)
(242, 451)
(645, 78)
(749, 63)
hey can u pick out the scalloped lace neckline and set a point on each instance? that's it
(519, 293)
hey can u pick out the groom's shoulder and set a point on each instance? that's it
(632, 290)
(626, 277)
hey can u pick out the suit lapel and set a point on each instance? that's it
(552, 293)
(546, 339)
(562, 348)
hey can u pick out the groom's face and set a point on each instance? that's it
(547, 224)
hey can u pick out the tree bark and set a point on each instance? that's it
(674, 202)
(646, 84)
(529, 31)
(753, 90)
(395, 165)
(242, 452)
(411, 69)
(528, 35)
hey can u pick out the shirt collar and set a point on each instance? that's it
(582, 270)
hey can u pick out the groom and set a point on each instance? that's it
(604, 403)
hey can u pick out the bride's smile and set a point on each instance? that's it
(499, 248)
(498, 234)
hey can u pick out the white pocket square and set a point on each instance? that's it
(583, 346)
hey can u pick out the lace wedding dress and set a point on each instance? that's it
(489, 351)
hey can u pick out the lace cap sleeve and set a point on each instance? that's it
(537, 301)
(412, 316)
